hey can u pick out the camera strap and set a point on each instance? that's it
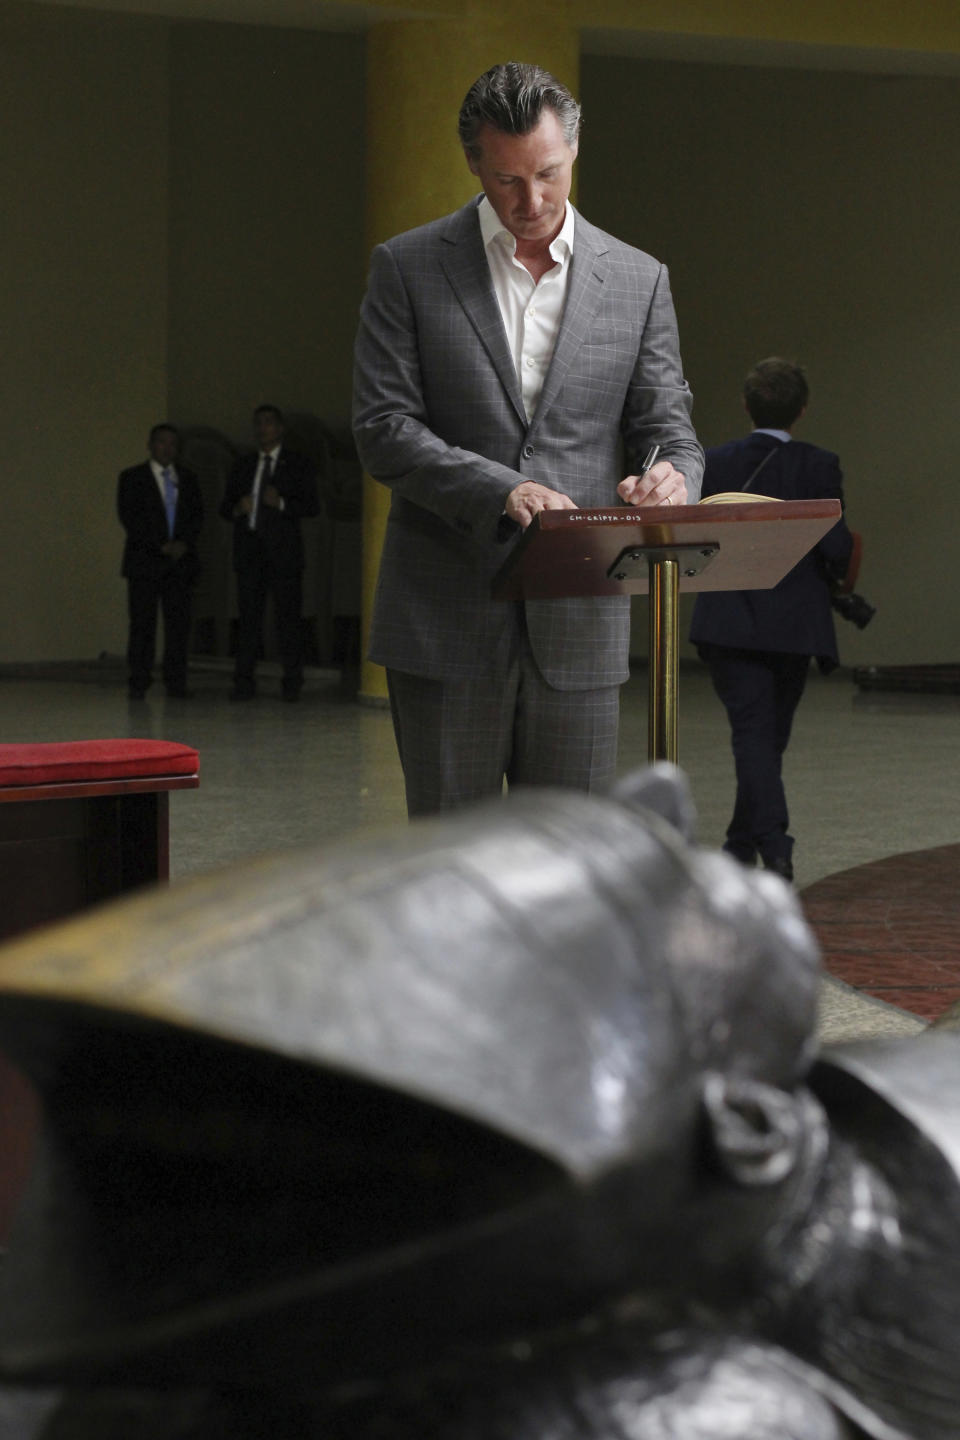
(769, 456)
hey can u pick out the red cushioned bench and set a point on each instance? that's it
(102, 827)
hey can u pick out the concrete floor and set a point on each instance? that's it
(867, 776)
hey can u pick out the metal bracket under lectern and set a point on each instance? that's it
(632, 563)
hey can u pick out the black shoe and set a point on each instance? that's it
(179, 692)
(780, 865)
(741, 853)
(243, 692)
(136, 692)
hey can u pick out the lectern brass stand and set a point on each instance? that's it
(661, 550)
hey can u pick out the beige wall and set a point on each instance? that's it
(183, 234)
(267, 192)
(83, 296)
(267, 262)
(813, 215)
(181, 238)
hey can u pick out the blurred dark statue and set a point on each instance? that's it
(508, 1126)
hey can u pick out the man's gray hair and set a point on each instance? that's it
(512, 98)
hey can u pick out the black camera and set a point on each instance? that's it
(854, 608)
(841, 577)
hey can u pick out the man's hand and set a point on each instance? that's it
(271, 497)
(175, 549)
(661, 485)
(244, 506)
(528, 499)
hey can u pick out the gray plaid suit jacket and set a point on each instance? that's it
(438, 417)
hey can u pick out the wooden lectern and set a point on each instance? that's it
(733, 545)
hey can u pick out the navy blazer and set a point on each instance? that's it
(278, 531)
(795, 616)
(143, 516)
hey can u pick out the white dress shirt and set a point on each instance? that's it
(531, 309)
(158, 471)
(270, 455)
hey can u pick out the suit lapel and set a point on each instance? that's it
(465, 266)
(588, 272)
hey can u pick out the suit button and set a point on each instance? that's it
(528, 450)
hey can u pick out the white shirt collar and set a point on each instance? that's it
(491, 229)
(783, 435)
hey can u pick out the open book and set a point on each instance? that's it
(736, 497)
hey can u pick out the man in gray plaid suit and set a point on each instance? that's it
(505, 354)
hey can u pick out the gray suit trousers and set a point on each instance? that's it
(457, 739)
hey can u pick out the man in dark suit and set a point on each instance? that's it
(160, 508)
(503, 355)
(759, 643)
(268, 493)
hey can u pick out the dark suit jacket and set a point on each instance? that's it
(277, 536)
(795, 616)
(439, 418)
(144, 518)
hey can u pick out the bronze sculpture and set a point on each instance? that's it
(504, 1126)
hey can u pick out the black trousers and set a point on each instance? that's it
(257, 579)
(760, 690)
(171, 593)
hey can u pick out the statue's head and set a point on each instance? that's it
(338, 1113)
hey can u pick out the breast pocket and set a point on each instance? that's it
(604, 363)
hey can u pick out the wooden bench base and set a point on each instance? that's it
(70, 843)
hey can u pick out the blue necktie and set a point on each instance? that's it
(170, 497)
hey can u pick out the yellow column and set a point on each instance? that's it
(418, 72)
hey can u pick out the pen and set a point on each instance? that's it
(650, 461)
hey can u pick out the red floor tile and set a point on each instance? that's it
(866, 971)
(892, 928)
